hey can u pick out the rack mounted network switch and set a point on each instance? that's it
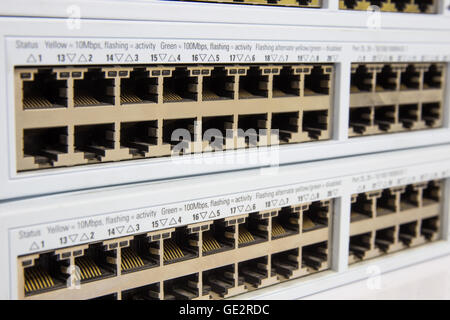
(69, 116)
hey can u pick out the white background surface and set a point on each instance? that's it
(428, 280)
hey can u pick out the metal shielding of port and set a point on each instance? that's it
(208, 260)
(405, 6)
(68, 116)
(394, 219)
(283, 3)
(396, 97)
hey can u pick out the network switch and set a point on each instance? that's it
(407, 6)
(235, 239)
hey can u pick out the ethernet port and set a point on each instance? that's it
(286, 263)
(287, 125)
(254, 271)
(315, 256)
(410, 78)
(314, 123)
(148, 292)
(180, 86)
(218, 238)
(431, 114)
(215, 130)
(385, 238)
(94, 140)
(408, 115)
(386, 79)
(425, 6)
(432, 193)
(138, 255)
(253, 231)
(180, 247)
(253, 85)
(286, 84)
(433, 78)
(360, 119)
(317, 82)
(361, 79)
(138, 88)
(350, 4)
(251, 127)
(315, 217)
(361, 208)
(139, 137)
(218, 85)
(385, 117)
(430, 228)
(285, 224)
(45, 144)
(183, 288)
(45, 91)
(408, 232)
(47, 274)
(96, 263)
(386, 204)
(360, 244)
(112, 296)
(178, 133)
(409, 199)
(93, 90)
(218, 281)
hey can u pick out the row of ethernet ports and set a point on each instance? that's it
(83, 264)
(228, 280)
(374, 77)
(56, 146)
(43, 88)
(394, 118)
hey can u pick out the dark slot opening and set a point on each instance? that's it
(285, 224)
(45, 91)
(286, 83)
(317, 82)
(360, 119)
(315, 217)
(386, 79)
(385, 238)
(218, 86)
(361, 79)
(93, 90)
(252, 231)
(94, 140)
(138, 88)
(149, 292)
(315, 256)
(46, 274)
(385, 117)
(253, 85)
(138, 136)
(362, 208)
(180, 246)
(219, 280)
(183, 288)
(408, 115)
(314, 122)
(96, 263)
(286, 262)
(45, 144)
(138, 255)
(180, 86)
